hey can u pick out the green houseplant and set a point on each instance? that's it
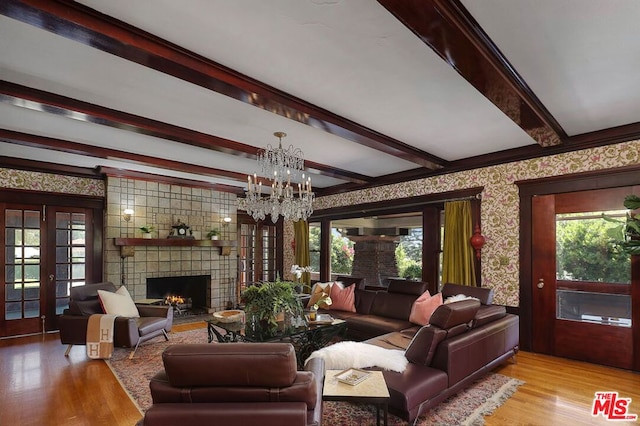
(627, 232)
(146, 230)
(213, 234)
(267, 300)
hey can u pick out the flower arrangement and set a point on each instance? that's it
(324, 299)
(147, 229)
(297, 271)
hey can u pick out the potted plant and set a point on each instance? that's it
(213, 234)
(146, 231)
(627, 233)
(266, 301)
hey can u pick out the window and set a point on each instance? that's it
(593, 275)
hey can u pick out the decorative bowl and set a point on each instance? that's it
(231, 315)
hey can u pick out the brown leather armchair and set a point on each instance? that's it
(154, 321)
(235, 384)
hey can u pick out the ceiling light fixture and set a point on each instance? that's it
(280, 167)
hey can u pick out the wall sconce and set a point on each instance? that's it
(227, 219)
(126, 214)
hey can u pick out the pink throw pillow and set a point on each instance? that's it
(343, 299)
(423, 308)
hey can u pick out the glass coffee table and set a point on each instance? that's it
(305, 337)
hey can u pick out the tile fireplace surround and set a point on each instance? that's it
(161, 205)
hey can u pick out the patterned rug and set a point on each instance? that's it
(466, 408)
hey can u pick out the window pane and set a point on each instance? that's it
(602, 308)
(31, 273)
(314, 248)
(31, 219)
(62, 238)
(63, 221)
(13, 292)
(78, 255)
(62, 254)
(13, 218)
(32, 309)
(32, 291)
(62, 288)
(13, 310)
(78, 237)
(342, 250)
(12, 273)
(77, 271)
(584, 251)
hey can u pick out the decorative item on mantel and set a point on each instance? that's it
(213, 234)
(146, 231)
(181, 230)
(280, 168)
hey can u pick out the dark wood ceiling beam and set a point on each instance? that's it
(26, 97)
(42, 167)
(132, 174)
(448, 28)
(85, 25)
(34, 141)
(589, 140)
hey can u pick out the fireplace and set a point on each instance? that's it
(193, 289)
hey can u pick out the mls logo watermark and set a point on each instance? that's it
(612, 407)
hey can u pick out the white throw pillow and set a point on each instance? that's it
(119, 303)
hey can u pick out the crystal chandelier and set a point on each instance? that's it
(289, 200)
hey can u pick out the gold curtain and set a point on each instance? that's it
(457, 263)
(302, 257)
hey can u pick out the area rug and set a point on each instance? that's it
(466, 408)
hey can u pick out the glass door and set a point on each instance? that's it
(581, 282)
(23, 270)
(45, 254)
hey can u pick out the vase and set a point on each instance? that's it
(146, 235)
(214, 237)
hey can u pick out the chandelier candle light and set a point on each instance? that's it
(282, 166)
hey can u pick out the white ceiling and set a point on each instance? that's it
(351, 58)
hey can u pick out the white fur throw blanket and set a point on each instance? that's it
(343, 355)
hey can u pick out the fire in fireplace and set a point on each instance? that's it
(186, 294)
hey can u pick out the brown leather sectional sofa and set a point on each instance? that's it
(463, 341)
(380, 312)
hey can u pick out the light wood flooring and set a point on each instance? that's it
(40, 386)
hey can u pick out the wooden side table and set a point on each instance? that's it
(373, 390)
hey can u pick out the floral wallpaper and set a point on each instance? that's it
(500, 203)
(45, 182)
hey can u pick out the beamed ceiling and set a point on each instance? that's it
(372, 92)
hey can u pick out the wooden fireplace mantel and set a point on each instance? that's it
(225, 245)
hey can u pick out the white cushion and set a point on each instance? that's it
(119, 303)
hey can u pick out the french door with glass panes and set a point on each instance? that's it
(47, 250)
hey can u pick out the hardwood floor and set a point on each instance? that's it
(40, 386)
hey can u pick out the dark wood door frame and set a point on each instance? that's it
(626, 176)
